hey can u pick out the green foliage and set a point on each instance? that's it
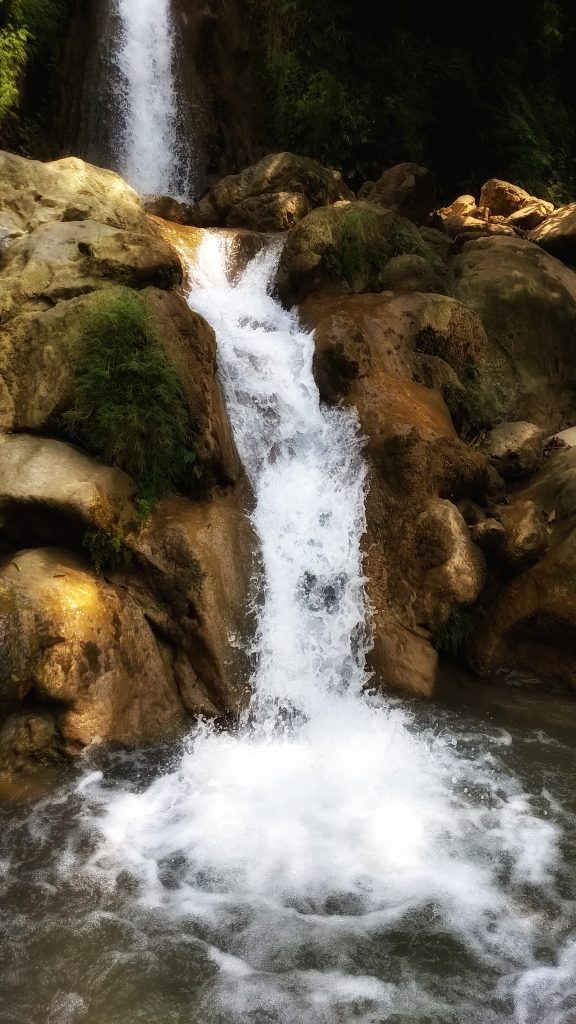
(365, 239)
(128, 408)
(31, 39)
(452, 638)
(106, 550)
(362, 88)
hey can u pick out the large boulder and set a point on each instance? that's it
(408, 189)
(76, 646)
(197, 560)
(420, 561)
(33, 193)
(275, 181)
(52, 493)
(526, 301)
(527, 632)
(515, 450)
(502, 198)
(345, 248)
(557, 234)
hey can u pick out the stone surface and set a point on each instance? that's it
(557, 234)
(52, 493)
(516, 450)
(75, 644)
(526, 537)
(272, 211)
(530, 216)
(408, 189)
(503, 198)
(526, 301)
(411, 273)
(276, 173)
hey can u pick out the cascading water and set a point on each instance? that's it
(151, 154)
(336, 858)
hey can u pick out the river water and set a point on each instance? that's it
(337, 858)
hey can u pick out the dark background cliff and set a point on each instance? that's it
(359, 86)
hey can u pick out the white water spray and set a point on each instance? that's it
(325, 826)
(149, 147)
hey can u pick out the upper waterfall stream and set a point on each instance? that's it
(336, 858)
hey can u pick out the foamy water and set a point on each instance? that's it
(330, 859)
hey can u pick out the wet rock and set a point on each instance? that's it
(515, 450)
(169, 209)
(489, 534)
(408, 189)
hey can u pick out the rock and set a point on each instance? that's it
(516, 450)
(557, 234)
(411, 273)
(456, 571)
(489, 535)
(276, 173)
(502, 198)
(407, 189)
(530, 216)
(29, 739)
(169, 209)
(33, 193)
(466, 227)
(89, 657)
(526, 301)
(462, 206)
(198, 559)
(526, 535)
(52, 493)
(344, 248)
(273, 211)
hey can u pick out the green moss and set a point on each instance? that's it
(128, 408)
(106, 550)
(452, 638)
(365, 238)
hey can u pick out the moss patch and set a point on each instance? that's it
(365, 238)
(129, 409)
(452, 638)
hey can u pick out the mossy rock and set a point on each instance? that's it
(346, 248)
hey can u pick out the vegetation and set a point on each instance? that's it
(473, 404)
(361, 87)
(365, 239)
(451, 639)
(128, 408)
(105, 550)
(31, 41)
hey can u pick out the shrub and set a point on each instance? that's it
(473, 405)
(128, 408)
(106, 550)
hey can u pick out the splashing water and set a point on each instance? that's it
(150, 153)
(329, 862)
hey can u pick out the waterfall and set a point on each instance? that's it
(150, 146)
(319, 854)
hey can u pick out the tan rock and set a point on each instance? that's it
(272, 211)
(530, 216)
(526, 534)
(90, 653)
(276, 173)
(502, 198)
(52, 493)
(526, 301)
(516, 450)
(408, 189)
(557, 234)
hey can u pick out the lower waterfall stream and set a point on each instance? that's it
(339, 857)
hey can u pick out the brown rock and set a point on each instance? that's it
(407, 189)
(273, 211)
(502, 198)
(90, 653)
(557, 234)
(516, 450)
(526, 535)
(530, 216)
(489, 535)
